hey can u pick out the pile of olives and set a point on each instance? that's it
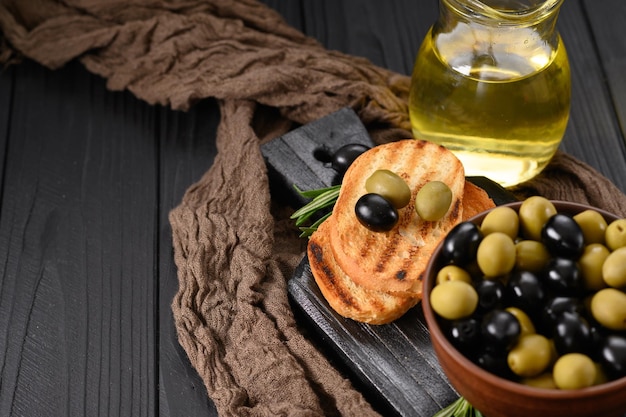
(537, 296)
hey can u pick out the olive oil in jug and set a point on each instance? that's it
(493, 86)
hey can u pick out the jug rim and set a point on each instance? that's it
(479, 10)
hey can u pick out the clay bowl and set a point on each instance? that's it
(497, 397)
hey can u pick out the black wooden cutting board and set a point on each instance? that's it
(393, 364)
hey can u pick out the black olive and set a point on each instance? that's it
(613, 356)
(563, 277)
(599, 334)
(500, 330)
(344, 156)
(525, 290)
(461, 244)
(572, 334)
(491, 294)
(464, 334)
(556, 306)
(376, 213)
(495, 362)
(563, 236)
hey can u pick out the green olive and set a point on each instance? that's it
(614, 268)
(534, 212)
(531, 255)
(525, 322)
(544, 380)
(391, 186)
(530, 356)
(454, 299)
(615, 234)
(574, 371)
(501, 219)
(593, 226)
(590, 263)
(452, 273)
(555, 354)
(601, 376)
(496, 255)
(433, 200)
(608, 307)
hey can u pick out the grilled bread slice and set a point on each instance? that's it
(475, 201)
(345, 296)
(394, 261)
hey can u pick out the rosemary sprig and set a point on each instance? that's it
(459, 408)
(320, 199)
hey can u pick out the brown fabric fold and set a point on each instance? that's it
(568, 179)
(234, 255)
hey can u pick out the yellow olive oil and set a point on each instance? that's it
(501, 106)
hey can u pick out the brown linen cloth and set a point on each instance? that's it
(234, 255)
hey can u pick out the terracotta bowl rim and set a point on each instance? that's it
(617, 386)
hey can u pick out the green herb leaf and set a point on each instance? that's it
(308, 231)
(459, 408)
(316, 192)
(321, 199)
(450, 410)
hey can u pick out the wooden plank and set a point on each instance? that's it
(393, 365)
(187, 150)
(301, 157)
(6, 96)
(291, 11)
(77, 293)
(388, 35)
(593, 134)
(607, 19)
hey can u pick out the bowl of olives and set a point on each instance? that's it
(526, 308)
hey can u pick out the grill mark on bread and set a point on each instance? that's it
(316, 251)
(364, 253)
(400, 275)
(456, 210)
(386, 254)
(344, 295)
(421, 144)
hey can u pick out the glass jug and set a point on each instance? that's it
(491, 83)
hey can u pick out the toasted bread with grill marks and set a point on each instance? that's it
(475, 201)
(345, 296)
(394, 261)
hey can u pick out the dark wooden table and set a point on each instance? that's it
(88, 177)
